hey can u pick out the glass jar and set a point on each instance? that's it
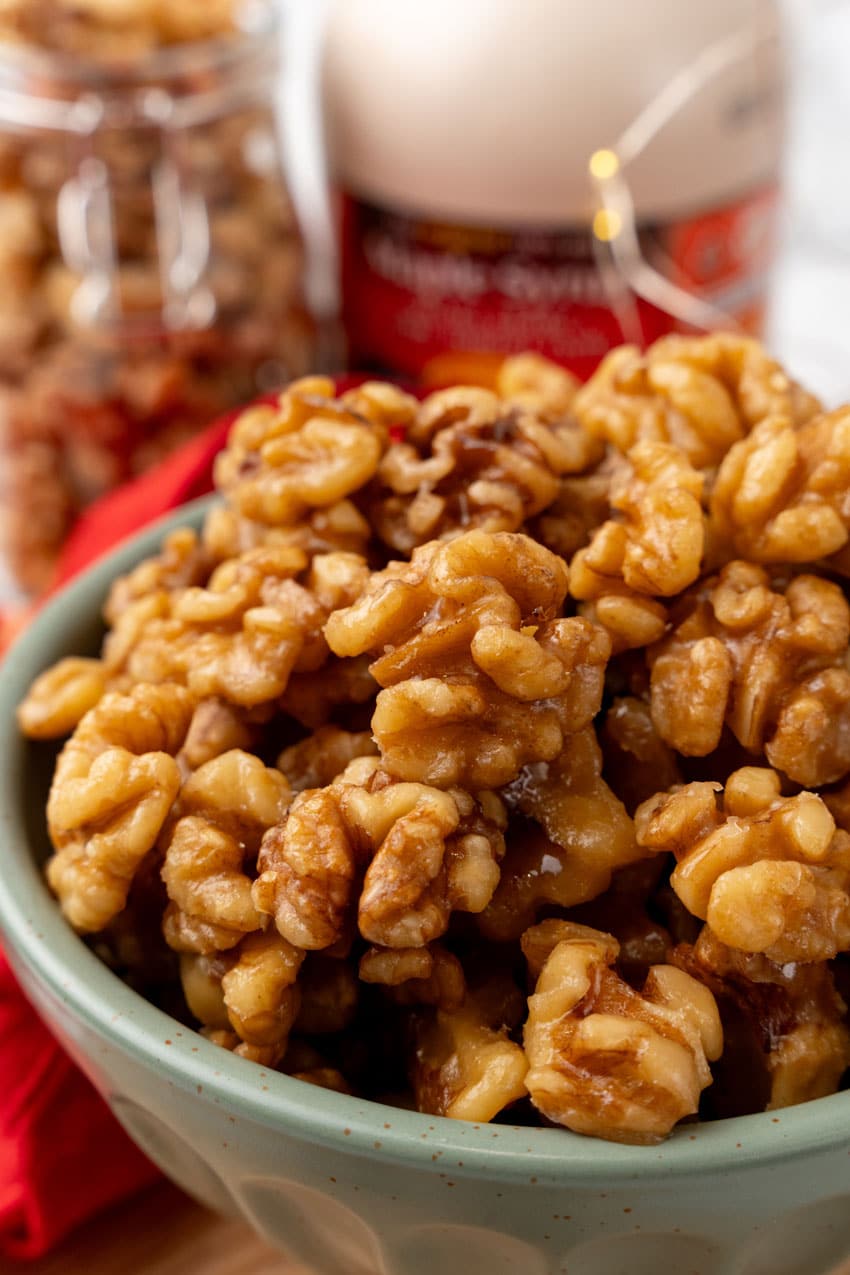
(150, 257)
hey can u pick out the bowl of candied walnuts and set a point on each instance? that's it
(436, 844)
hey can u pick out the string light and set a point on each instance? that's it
(604, 164)
(607, 224)
(624, 270)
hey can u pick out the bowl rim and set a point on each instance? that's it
(47, 952)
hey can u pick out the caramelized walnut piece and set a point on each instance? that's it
(60, 697)
(794, 1014)
(702, 394)
(538, 383)
(568, 836)
(112, 790)
(782, 495)
(651, 548)
(655, 548)
(769, 874)
(612, 1062)
(767, 660)
(181, 562)
(240, 638)
(416, 975)
(263, 1055)
(480, 677)
(471, 459)
(463, 1064)
(582, 505)
(226, 534)
(321, 758)
(222, 811)
(429, 853)
(246, 999)
(200, 979)
(260, 994)
(216, 727)
(308, 451)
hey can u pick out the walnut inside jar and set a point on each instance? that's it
(181, 295)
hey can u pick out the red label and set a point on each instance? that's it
(445, 302)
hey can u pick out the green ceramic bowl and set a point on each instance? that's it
(347, 1187)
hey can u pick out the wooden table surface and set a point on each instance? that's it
(161, 1232)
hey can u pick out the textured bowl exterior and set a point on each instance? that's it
(346, 1187)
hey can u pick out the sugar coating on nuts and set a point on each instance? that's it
(612, 1062)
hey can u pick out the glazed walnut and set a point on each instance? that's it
(538, 383)
(59, 699)
(480, 677)
(114, 784)
(702, 394)
(582, 505)
(425, 854)
(792, 1012)
(181, 562)
(766, 660)
(259, 990)
(463, 1064)
(652, 548)
(246, 1000)
(769, 874)
(416, 975)
(568, 835)
(783, 494)
(329, 994)
(309, 451)
(335, 692)
(471, 459)
(609, 1061)
(222, 811)
(226, 534)
(240, 637)
(217, 727)
(319, 759)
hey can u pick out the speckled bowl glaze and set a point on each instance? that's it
(346, 1187)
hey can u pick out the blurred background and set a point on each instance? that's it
(809, 313)
(461, 180)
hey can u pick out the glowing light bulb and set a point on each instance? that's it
(607, 224)
(604, 164)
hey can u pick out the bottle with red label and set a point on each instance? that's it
(560, 175)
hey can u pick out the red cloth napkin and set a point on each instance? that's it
(63, 1156)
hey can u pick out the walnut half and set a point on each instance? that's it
(607, 1060)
